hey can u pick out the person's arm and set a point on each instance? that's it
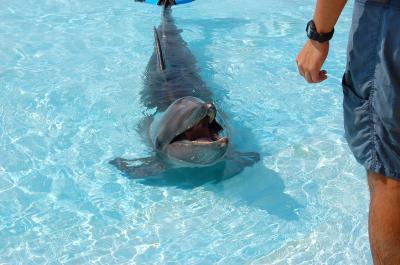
(313, 55)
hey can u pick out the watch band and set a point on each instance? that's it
(313, 34)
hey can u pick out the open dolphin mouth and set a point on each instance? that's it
(204, 131)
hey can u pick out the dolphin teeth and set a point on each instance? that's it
(223, 140)
(215, 137)
(211, 115)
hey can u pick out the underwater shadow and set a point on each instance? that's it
(256, 186)
(262, 188)
(190, 178)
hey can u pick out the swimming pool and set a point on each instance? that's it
(70, 76)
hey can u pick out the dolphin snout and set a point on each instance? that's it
(207, 106)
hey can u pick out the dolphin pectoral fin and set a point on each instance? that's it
(236, 162)
(246, 159)
(139, 168)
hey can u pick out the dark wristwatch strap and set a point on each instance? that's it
(313, 34)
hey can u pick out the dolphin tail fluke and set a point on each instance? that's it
(160, 57)
(139, 168)
(165, 3)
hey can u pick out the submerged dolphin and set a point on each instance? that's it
(186, 130)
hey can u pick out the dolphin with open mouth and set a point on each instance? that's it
(186, 130)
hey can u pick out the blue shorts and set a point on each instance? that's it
(371, 86)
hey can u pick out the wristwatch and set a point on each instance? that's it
(313, 34)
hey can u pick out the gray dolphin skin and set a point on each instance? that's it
(186, 130)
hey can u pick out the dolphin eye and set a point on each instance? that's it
(158, 143)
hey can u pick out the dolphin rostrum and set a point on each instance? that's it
(186, 130)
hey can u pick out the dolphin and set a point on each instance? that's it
(186, 130)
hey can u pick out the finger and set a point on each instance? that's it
(299, 66)
(301, 71)
(315, 77)
(307, 76)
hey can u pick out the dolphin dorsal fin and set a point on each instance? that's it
(160, 58)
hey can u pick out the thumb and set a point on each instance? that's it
(323, 75)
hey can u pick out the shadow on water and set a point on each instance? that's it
(259, 186)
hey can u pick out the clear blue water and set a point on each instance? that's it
(70, 75)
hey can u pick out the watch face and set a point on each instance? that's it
(308, 30)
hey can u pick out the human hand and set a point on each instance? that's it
(310, 60)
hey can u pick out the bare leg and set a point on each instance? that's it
(384, 219)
